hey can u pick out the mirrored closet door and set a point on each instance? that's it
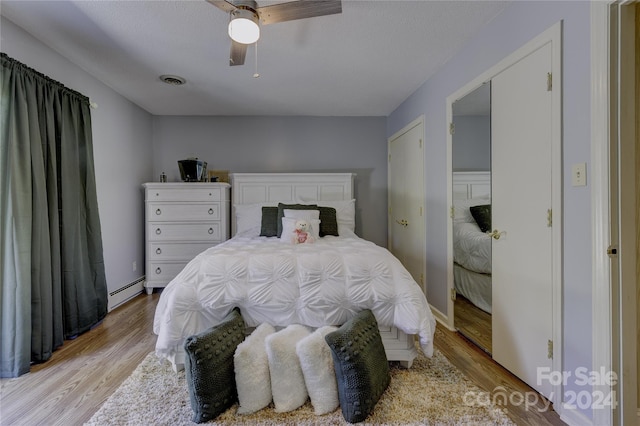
(471, 160)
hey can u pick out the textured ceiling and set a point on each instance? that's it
(363, 62)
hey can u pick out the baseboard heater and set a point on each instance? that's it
(125, 293)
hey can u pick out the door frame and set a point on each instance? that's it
(416, 122)
(608, 351)
(551, 35)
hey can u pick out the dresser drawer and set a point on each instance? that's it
(183, 194)
(173, 212)
(160, 231)
(164, 271)
(175, 251)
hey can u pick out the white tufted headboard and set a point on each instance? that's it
(471, 185)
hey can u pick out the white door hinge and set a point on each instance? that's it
(453, 294)
(452, 128)
(550, 349)
(549, 218)
(549, 81)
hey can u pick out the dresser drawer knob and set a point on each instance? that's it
(210, 230)
(158, 250)
(210, 211)
(158, 231)
(158, 212)
(158, 270)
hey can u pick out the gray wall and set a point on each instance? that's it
(518, 24)
(472, 143)
(122, 148)
(285, 144)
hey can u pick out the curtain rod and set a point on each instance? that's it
(8, 62)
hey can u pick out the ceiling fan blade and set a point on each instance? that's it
(237, 54)
(223, 4)
(298, 10)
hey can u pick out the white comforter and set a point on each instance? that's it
(471, 247)
(318, 284)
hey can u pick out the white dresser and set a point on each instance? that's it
(182, 220)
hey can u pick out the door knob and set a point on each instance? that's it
(495, 234)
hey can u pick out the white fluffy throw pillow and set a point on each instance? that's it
(252, 371)
(317, 368)
(287, 382)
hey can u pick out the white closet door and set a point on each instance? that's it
(406, 200)
(521, 166)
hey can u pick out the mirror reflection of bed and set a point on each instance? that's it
(472, 216)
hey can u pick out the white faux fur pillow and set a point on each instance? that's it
(287, 382)
(317, 368)
(252, 371)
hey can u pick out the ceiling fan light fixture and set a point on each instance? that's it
(244, 27)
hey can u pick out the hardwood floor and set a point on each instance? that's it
(472, 322)
(70, 387)
(73, 384)
(490, 377)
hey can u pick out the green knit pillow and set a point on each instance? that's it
(269, 223)
(209, 367)
(482, 215)
(361, 365)
(328, 221)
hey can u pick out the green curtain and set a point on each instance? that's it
(53, 282)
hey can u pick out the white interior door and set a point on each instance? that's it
(406, 199)
(522, 251)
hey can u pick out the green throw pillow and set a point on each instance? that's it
(282, 207)
(361, 366)
(209, 367)
(328, 221)
(482, 216)
(269, 225)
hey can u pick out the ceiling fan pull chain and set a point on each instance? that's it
(255, 49)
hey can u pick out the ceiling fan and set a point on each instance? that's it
(246, 17)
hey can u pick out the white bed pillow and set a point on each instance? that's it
(311, 216)
(249, 217)
(461, 211)
(289, 225)
(345, 213)
(316, 361)
(251, 365)
(287, 382)
(302, 214)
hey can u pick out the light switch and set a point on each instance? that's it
(579, 174)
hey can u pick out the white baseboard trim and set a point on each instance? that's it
(125, 293)
(573, 417)
(441, 318)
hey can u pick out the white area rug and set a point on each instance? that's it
(432, 392)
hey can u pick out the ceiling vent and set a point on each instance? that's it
(173, 80)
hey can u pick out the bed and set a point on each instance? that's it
(471, 243)
(272, 280)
